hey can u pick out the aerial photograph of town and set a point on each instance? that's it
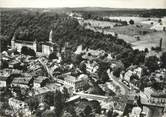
(82, 58)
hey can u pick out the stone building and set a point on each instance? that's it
(42, 47)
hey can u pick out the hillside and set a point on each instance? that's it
(37, 25)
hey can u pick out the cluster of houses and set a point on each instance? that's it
(37, 77)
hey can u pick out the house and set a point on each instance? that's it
(76, 83)
(13, 63)
(138, 71)
(3, 81)
(48, 47)
(158, 98)
(136, 112)
(40, 93)
(127, 75)
(17, 104)
(53, 86)
(69, 89)
(4, 77)
(23, 82)
(131, 71)
(40, 81)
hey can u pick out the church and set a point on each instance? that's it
(44, 48)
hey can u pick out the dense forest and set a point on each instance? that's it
(37, 25)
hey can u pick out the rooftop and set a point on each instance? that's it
(40, 79)
(41, 90)
(53, 86)
(22, 80)
(16, 100)
(49, 43)
(25, 42)
(71, 78)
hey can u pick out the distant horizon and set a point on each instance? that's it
(124, 4)
(74, 8)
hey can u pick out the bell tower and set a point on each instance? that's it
(13, 41)
(50, 36)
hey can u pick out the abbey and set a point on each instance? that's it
(42, 47)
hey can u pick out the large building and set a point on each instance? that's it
(43, 47)
(76, 82)
(17, 104)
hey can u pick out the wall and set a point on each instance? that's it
(46, 49)
(2, 83)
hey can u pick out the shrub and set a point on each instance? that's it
(131, 22)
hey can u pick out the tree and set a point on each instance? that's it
(163, 59)
(49, 98)
(110, 113)
(48, 113)
(131, 22)
(77, 58)
(152, 63)
(134, 77)
(82, 66)
(70, 109)
(95, 105)
(3, 64)
(146, 50)
(33, 103)
(28, 51)
(53, 56)
(65, 93)
(116, 72)
(88, 110)
(159, 21)
(59, 103)
(102, 71)
(67, 114)
(3, 43)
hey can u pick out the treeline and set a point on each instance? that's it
(27, 25)
(37, 25)
(125, 12)
(68, 30)
(87, 15)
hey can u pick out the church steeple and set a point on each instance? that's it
(50, 36)
(13, 41)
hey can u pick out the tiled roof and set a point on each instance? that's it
(53, 86)
(71, 78)
(22, 80)
(41, 90)
(24, 42)
(40, 79)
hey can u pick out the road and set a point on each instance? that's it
(124, 89)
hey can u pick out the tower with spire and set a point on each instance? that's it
(50, 36)
(13, 41)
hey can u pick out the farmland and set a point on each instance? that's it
(144, 33)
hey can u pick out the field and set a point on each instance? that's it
(145, 33)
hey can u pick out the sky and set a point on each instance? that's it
(84, 3)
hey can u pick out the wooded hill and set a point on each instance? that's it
(37, 25)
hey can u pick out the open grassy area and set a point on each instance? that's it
(151, 39)
(142, 28)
